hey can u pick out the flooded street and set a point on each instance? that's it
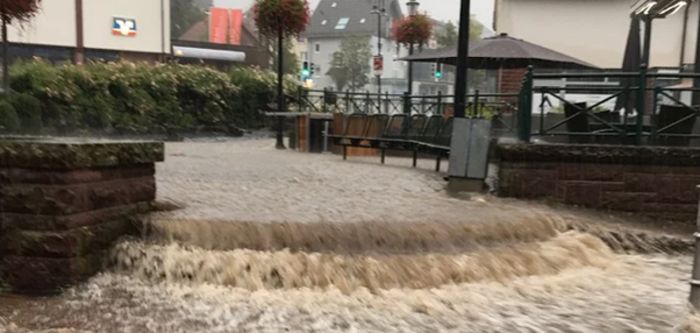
(277, 241)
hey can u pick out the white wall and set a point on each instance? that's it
(98, 16)
(53, 25)
(592, 30)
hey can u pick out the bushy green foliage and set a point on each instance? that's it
(28, 109)
(9, 121)
(140, 98)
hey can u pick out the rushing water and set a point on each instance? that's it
(452, 265)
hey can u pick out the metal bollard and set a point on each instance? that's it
(695, 279)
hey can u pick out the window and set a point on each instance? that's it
(305, 55)
(317, 48)
(342, 23)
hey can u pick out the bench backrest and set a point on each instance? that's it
(416, 126)
(355, 125)
(445, 136)
(579, 119)
(681, 120)
(396, 126)
(432, 129)
(376, 126)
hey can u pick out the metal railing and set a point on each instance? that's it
(480, 105)
(646, 104)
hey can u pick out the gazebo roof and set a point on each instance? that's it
(503, 51)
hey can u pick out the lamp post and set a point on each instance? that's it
(412, 11)
(378, 72)
(462, 61)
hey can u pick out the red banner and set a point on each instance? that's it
(236, 26)
(218, 25)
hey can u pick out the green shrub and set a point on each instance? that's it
(138, 98)
(9, 121)
(28, 108)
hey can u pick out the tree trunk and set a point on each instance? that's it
(280, 89)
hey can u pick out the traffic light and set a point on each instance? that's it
(437, 72)
(312, 69)
(305, 70)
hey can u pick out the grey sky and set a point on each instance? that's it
(443, 10)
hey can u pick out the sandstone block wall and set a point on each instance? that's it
(659, 182)
(62, 205)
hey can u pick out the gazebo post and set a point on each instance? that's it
(470, 136)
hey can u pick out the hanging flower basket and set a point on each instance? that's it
(19, 10)
(291, 16)
(412, 30)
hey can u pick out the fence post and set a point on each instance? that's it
(476, 104)
(695, 279)
(386, 102)
(323, 105)
(641, 103)
(439, 103)
(542, 114)
(525, 114)
(299, 98)
(653, 116)
(407, 103)
(347, 102)
(368, 100)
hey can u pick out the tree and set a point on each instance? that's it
(281, 18)
(350, 66)
(449, 36)
(13, 10)
(183, 15)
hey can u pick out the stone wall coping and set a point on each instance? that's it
(604, 154)
(72, 154)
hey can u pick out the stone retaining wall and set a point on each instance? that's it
(62, 205)
(659, 182)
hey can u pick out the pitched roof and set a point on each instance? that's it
(503, 51)
(360, 20)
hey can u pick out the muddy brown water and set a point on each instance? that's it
(376, 261)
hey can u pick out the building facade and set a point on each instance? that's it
(335, 20)
(596, 30)
(95, 29)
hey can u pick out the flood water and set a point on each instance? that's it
(270, 241)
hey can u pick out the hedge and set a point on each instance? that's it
(138, 98)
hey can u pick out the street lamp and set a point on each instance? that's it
(412, 11)
(412, 7)
(462, 61)
(379, 61)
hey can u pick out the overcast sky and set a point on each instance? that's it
(444, 10)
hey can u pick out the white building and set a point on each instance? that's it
(596, 30)
(62, 30)
(334, 20)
